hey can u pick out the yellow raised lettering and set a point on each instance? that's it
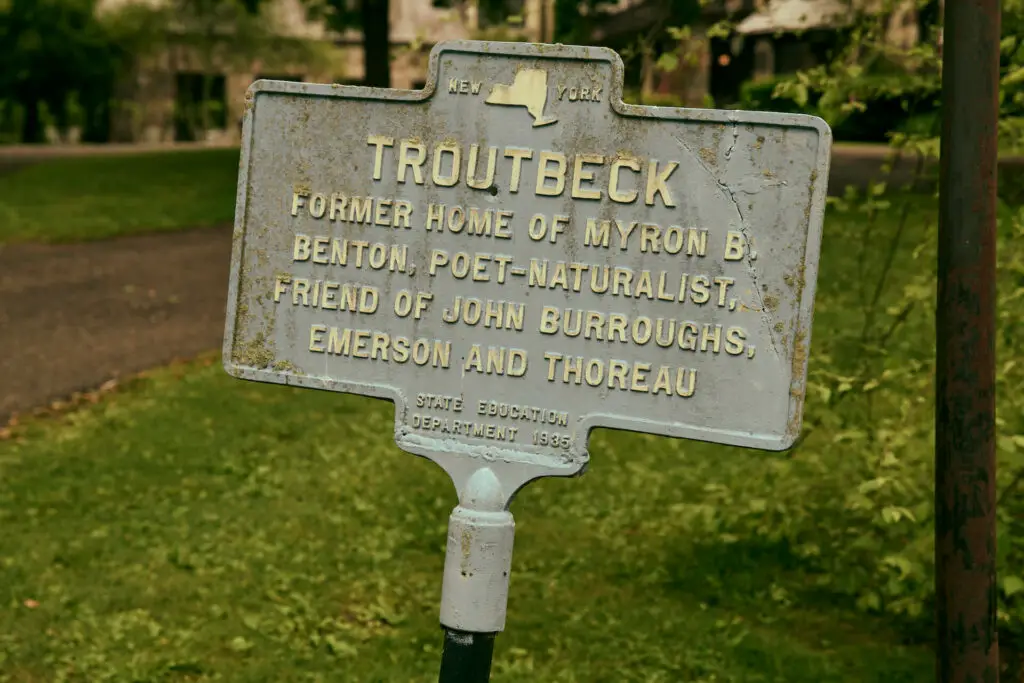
(657, 182)
(614, 193)
(451, 178)
(545, 173)
(517, 155)
(406, 160)
(379, 142)
(581, 175)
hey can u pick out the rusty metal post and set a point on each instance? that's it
(965, 486)
(466, 657)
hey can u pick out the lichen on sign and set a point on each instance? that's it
(514, 256)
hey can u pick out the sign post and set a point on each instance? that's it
(514, 256)
(965, 390)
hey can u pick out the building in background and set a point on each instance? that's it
(186, 90)
(187, 78)
(769, 38)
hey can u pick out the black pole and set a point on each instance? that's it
(965, 467)
(466, 657)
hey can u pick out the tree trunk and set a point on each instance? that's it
(204, 107)
(646, 73)
(32, 128)
(61, 117)
(928, 17)
(376, 43)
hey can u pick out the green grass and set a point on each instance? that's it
(195, 528)
(192, 527)
(199, 528)
(89, 198)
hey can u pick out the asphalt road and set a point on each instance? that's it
(74, 316)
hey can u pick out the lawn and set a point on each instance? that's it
(198, 528)
(87, 198)
(192, 527)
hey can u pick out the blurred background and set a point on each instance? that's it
(151, 71)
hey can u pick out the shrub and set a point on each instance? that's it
(760, 95)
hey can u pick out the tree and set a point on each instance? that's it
(653, 35)
(211, 36)
(52, 51)
(373, 17)
(575, 19)
(59, 55)
(376, 42)
(888, 565)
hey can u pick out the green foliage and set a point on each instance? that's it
(758, 562)
(1011, 182)
(870, 427)
(88, 198)
(12, 121)
(64, 56)
(866, 107)
(761, 95)
(575, 20)
(657, 46)
(872, 87)
(53, 52)
(338, 14)
(218, 34)
(851, 507)
(924, 126)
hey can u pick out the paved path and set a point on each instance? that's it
(74, 316)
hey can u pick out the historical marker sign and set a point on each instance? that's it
(514, 256)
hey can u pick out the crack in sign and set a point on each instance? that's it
(735, 139)
(727, 191)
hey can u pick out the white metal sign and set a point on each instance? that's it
(514, 256)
